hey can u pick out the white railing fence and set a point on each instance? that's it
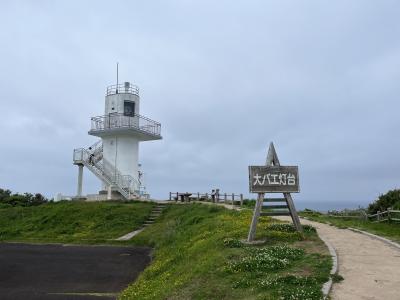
(381, 216)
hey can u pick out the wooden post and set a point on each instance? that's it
(363, 215)
(378, 216)
(206, 196)
(256, 215)
(241, 199)
(170, 196)
(233, 199)
(225, 198)
(293, 213)
(198, 196)
(388, 214)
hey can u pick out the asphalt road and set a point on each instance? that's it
(64, 272)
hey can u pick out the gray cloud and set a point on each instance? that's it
(319, 79)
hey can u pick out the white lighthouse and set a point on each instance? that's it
(114, 158)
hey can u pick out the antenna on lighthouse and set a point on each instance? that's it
(116, 89)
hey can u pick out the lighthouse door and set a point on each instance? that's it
(129, 108)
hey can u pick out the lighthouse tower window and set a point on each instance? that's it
(129, 108)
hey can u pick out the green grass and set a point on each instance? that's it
(388, 230)
(72, 222)
(199, 255)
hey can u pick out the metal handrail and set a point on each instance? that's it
(126, 184)
(122, 88)
(225, 197)
(119, 120)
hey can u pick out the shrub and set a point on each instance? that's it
(4, 205)
(27, 199)
(390, 199)
(4, 194)
(250, 203)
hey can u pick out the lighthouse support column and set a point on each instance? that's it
(80, 179)
(109, 192)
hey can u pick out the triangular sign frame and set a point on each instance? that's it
(272, 160)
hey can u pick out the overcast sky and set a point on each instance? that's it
(318, 78)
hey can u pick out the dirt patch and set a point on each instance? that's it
(313, 247)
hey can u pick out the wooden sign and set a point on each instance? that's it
(274, 179)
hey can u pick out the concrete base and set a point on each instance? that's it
(103, 196)
(81, 198)
(256, 242)
(96, 197)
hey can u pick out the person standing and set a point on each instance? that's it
(213, 196)
(217, 195)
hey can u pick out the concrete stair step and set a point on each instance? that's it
(154, 214)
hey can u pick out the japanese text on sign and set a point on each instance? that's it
(273, 179)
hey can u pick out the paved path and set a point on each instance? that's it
(371, 268)
(68, 272)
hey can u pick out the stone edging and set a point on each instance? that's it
(326, 288)
(377, 237)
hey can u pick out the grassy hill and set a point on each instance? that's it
(198, 255)
(71, 222)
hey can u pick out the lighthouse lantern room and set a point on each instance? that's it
(114, 158)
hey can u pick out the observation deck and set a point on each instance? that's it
(122, 88)
(142, 127)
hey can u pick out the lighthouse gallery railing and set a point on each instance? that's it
(118, 120)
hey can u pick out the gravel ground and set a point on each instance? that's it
(370, 267)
